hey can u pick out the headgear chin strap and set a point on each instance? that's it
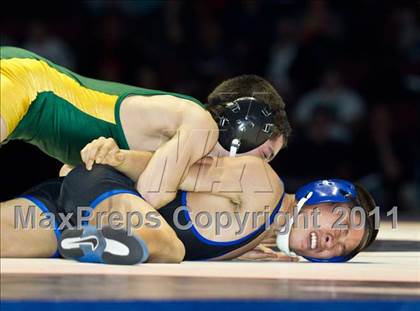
(282, 240)
(244, 124)
(236, 143)
(322, 191)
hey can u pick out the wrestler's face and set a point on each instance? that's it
(322, 236)
(267, 151)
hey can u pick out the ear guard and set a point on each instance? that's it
(244, 124)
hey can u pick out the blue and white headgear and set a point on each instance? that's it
(324, 191)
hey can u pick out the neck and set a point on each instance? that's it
(218, 151)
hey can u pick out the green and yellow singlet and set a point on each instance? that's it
(58, 110)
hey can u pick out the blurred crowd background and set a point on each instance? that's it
(348, 71)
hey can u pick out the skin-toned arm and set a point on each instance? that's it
(205, 175)
(234, 178)
(193, 140)
(244, 180)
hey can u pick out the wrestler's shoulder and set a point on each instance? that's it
(263, 175)
(164, 103)
(163, 99)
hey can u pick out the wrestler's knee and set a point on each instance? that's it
(171, 250)
(173, 244)
(26, 244)
(7, 243)
(24, 239)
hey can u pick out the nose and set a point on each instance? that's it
(327, 241)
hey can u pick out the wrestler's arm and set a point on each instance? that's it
(196, 136)
(241, 179)
(233, 178)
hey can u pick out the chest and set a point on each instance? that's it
(218, 219)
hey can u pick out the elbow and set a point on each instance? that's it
(206, 131)
(163, 199)
(213, 135)
(158, 199)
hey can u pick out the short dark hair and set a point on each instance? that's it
(257, 87)
(367, 203)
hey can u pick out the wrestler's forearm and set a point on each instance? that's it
(220, 176)
(202, 176)
(234, 178)
(134, 163)
(171, 162)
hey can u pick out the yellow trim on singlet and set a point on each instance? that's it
(23, 78)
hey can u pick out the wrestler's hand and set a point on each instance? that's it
(270, 238)
(102, 151)
(65, 169)
(263, 253)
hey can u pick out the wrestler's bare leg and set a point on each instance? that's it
(161, 240)
(16, 241)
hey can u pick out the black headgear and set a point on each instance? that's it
(244, 124)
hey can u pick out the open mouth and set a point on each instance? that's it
(313, 240)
